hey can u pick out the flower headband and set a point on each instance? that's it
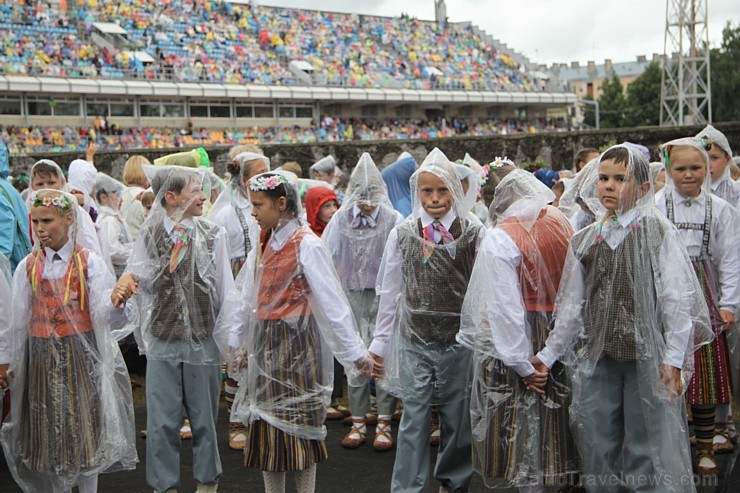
(703, 143)
(61, 201)
(261, 183)
(496, 164)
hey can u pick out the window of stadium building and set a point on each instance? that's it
(152, 109)
(213, 109)
(113, 107)
(53, 107)
(255, 111)
(295, 111)
(10, 106)
(264, 112)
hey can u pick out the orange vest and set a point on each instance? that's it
(283, 287)
(543, 250)
(49, 312)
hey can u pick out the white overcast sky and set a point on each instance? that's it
(548, 31)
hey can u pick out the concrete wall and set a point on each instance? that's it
(555, 149)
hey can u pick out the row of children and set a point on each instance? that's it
(552, 357)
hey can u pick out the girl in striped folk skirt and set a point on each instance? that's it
(707, 227)
(283, 339)
(519, 409)
(72, 415)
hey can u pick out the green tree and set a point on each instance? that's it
(725, 73)
(612, 103)
(643, 99)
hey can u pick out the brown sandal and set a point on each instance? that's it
(356, 435)
(705, 451)
(726, 446)
(383, 441)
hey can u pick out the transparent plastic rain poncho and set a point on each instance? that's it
(181, 262)
(86, 230)
(519, 437)
(357, 240)
(71, 411)
(708, 227)
(424, 284)
(290, 319)
(724, 186)
(113, 231)
(396, 177)
(580, 200)
(479, 209)
(629, 306)
(233, 212)
(471, 189)
(326, 166)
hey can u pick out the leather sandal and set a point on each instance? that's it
(356, 435)
(237, 438)
(371, 419)
(383, 441)
(186, 432)
(435, 436)
(723, 440)
(332, 414)
(706, 463)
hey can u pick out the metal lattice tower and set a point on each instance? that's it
(685, 93)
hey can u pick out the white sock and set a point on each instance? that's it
(206, 488)
(305, 480)
(722, 413)
(274, 482)
(88, 484)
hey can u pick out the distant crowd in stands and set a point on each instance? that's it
(213, 41)
(110, 136)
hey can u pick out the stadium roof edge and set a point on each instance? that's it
(112, 87)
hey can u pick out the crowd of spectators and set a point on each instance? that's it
(214, 41)
(20, 140)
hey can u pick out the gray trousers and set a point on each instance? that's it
(619, 430)
(170, 386)
(364, 306)
(438, 375)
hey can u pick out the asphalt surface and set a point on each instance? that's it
(347, 471)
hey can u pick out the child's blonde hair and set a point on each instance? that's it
(133, 174)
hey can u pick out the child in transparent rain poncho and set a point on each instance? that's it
(424, 275)
(580, 201)
(628, 317)
(6, 319)
(47, 174)
(291, 318)
(720, 158)
(72, 414)
(707, 227)
(180, 271)
(356, 236)
(233, 212)
(469, 180)
(720, 162)
(113, 230)
(520, 421)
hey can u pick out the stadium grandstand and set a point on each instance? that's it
(131, 73)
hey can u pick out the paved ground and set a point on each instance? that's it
(356, 471)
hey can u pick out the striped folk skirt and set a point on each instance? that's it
(60, 419)
(291, 360)
(512, 448)
(711, 383)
